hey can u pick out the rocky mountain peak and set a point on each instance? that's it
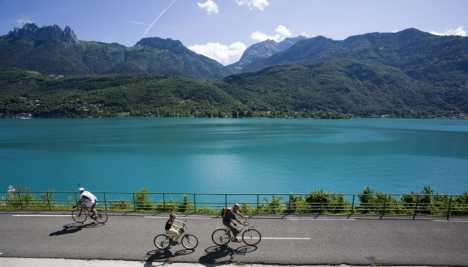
(163, 44)
(44, 34)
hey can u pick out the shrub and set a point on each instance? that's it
(20, 199)
(460, 205)
(120, 205)
(321, 201)
(297, 204)
(247, 209)
(142, 201)
(274, 206)
(185, 205)
(377, 202)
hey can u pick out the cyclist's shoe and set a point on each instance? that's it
(235, 239)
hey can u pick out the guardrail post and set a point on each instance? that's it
(164, 201)
(194, 203)
(258, 200)
(20, 200)
(134, 202)
(449, 206)
(352, 204)
(105, 201)
(383, 208)
(225, 201)
(48, 195)
(416, 207)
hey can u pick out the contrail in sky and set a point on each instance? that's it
(138, 23)
(157, 18)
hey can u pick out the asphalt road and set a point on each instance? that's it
(286, 241)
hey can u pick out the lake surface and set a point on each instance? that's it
(234, 155)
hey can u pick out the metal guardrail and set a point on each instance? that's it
(376, 204)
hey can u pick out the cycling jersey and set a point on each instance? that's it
(168, 226)
(88, 196)
(228, 217)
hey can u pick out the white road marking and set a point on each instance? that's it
(284, 238)
(180, 218)
(40, 215)
(448, 221)
(320, 219)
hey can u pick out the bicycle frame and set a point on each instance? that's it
(241, 228)
(180, 233)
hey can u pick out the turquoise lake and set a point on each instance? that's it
(234, 155)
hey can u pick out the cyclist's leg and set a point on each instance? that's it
(93, 211)
(234, 231)
(173, 234)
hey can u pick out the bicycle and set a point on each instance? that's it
(188, 241)
(250, 235)
(81, 213)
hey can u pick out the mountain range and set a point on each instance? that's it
(261, 51)
(52, 50)
(47, 71)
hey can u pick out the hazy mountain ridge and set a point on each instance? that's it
(419, 54)
(262, 50)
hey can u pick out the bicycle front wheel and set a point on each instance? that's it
(79, 215)
(221, 237)
(251, 237)
(102, 217)
(189, 241)
(162, 241)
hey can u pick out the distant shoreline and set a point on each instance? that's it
(253, 117)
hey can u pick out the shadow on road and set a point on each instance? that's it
(216, 255)
(164, 256)
(73, 228)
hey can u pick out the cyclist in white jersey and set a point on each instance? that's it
(88, 200)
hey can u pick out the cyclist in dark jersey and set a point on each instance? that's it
(172, 230)
(230, 221)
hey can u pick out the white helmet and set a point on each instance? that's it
(81, 189)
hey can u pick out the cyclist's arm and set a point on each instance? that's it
(236, 221)
(79, 202)
(243, 216)
(178, 224)
(240, 218)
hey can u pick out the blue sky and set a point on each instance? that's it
(222, 29)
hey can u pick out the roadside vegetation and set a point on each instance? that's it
(367, 202)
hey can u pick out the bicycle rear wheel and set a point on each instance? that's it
(79, 215)
(162, 241)
(251, 237)
(189, 241)
(102, 217)
(221, 237)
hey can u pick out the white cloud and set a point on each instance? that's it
(225, 54)
(21, 21)
(459, 31)
(209, 6)
(254, 4)
(281, 32)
